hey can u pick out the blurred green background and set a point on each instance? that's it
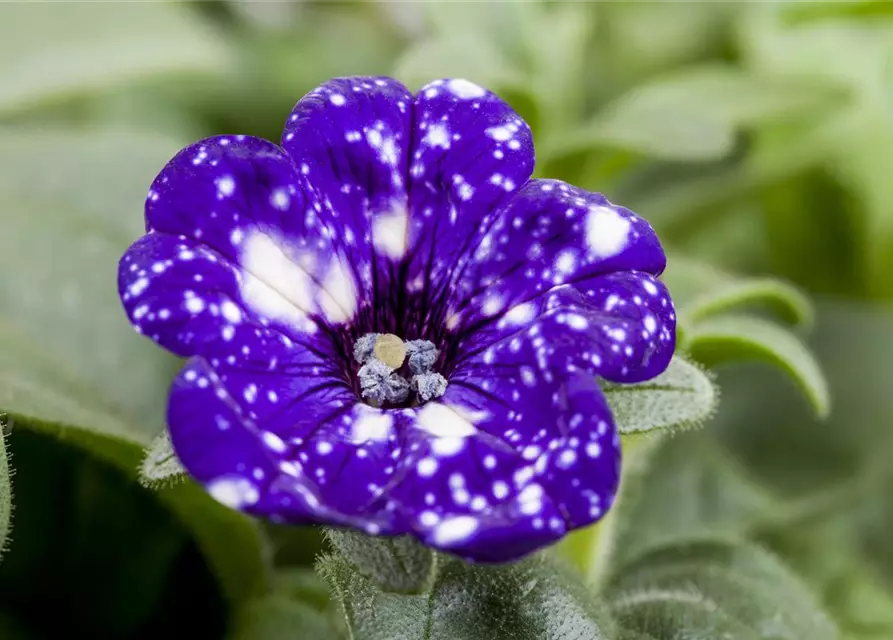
(756, 137)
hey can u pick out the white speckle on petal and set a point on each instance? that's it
(427, 467)
(194, 305)
(233, 491)
(274, 284)
(464, 89)
(226, 185)
(521, 314)
(274, 442)
(438, 136)
(338, 296)
(500, 134)
(230, 311)
(607, 232)
(492, 305)
(389, 231)
(280, 199)
(454, 530)
(371, 424)
(444, 421)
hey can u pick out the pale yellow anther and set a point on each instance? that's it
(390, 350)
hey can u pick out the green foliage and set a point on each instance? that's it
(784, 301)
(160, 465)
(681, 397)
(400, 565)
(713, 590)
(88, 47)
(739, 338)
(534, 598)
(71, 365)
(271, 617)
(676, 491)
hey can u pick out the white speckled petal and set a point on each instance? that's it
(471, 152)
(549, 234)
(622, 325)
(309, 453)
(521, 447)
(350, 138)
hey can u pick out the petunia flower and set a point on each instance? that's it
(390, 326)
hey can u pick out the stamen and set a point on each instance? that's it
(362, 348)
(380, 384)
(429, 385)
(422, 355)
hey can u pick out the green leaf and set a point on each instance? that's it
(70, 364)
(693, 115)
(67, 352)
(689, 278)
(5, 493)
(48, 52)
(681, 397)
(232, 543)
(161, 466)
(680, 489)
(736, 338)
(785, 301)
(715, 590)
(302, 583)
(401, 565)
(661, 131)
(534, 598)
(278, 616)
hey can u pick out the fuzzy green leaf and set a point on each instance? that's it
(67, 352)
(532, 599)
(401, 565)
(738, 338)
(713, 590)
(681, 397)
(48, 52)
(161, 466)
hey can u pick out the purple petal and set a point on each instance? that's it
(519, 450)
(350, 137)
(471, 151)
(622, 325)
(285, 444)
(551, 233)
(231, 217)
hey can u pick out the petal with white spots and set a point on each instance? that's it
(471, 152)
(310, 453)
(498, 466)
(550, 234)
(622, 325)
(350, 138)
